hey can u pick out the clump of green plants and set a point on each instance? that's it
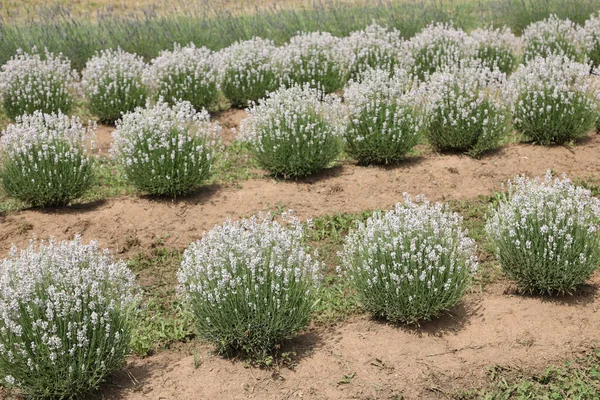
(65, 317)
(112, 84)
(185, 74)
(384, 121)
(251, 284)
(465, 109)
(410, 264)
(36, 82)
(166, 150)
(45, 159)
(546, 234)
(315, 58)
(248, 71)
(554, 100)
(436, 47)
(374, 47)
(497, 48)
(552, 36)
(295, 132)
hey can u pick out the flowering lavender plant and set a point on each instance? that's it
(65, 312)
(248, 71)
(250, 283)
(436, 47)
(385, 122)
(554, 99)
(588, 39)
(31, 83)
(112, 84)
(185, 74)
(496, 48)
(546, 234)
(315, 58)
(552, 36)
(374, 47)
(411, 263)
(166, 150)
(465, 109)
(44, 159)
(293, 133)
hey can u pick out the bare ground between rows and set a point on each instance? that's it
(131, 224)
(366, 359)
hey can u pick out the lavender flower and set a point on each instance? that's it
(552, 36)
(497, 48)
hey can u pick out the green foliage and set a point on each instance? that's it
(52, 97)
(115, 98)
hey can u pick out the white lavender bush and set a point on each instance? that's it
(546, 234)
(588, 39)
(466, 111)
(166, 150)
(410, 264)
(497, 48)
(293, 133)
(112, 84)
(374, 47)
(65, 312)
(552, 36)
(436, 47)
(30, 82)
(248, 71)
(185, 74)
(316, 58)
(251, 284)
(385, 122)
(554, 99)
(44, 159)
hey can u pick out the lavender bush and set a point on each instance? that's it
(588, 39)
(112, 84)
(552, 36)
(248, 71)
(30, 82)
(44, 159)
(385, 121)
(466, 111)
(554, 99)
(293, 133)
(65, 318)
(185, 74)
(411, 263)
(497, 48)
(166, 150)
(546, 234)
(250, 283)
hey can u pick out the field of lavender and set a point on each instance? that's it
(70, 313)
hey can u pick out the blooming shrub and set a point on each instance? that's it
(250, 283)
(546, 234)
(465, 109)
(166, 150)
(436, 47)
(249, 71)
(496, 48)
(588, 39)
(29, 83)
(293, 133)
(552, 36)
(65, 312)
(374, 47)
(411, 263)
(315, 58)
(44, 160)
(185, 74)
(384, 122)
(554, 99)
(112, 84)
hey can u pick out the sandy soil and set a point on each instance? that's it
(380, 361)
(497, 327)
